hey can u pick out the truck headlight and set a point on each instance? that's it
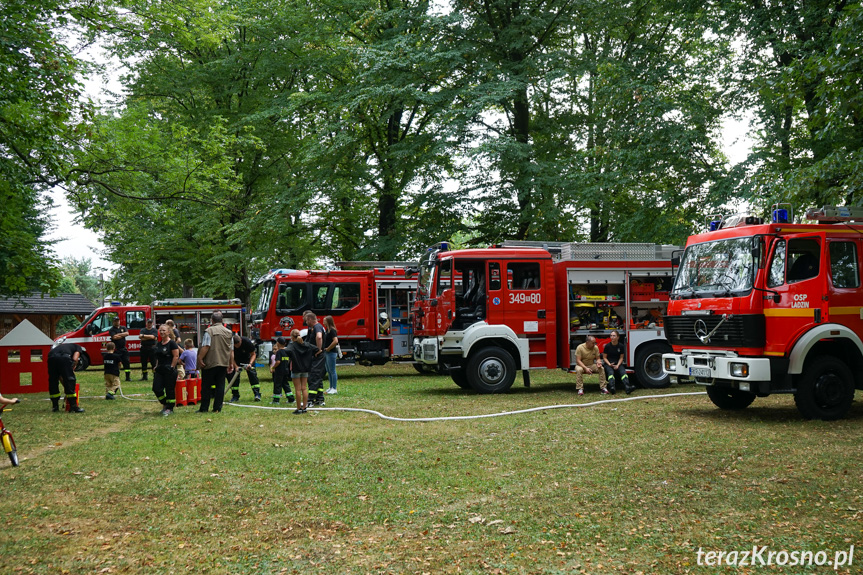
(670, 364)
(739, 369)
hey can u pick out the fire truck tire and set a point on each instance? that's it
(648, 365)
(491, 370)
(83, 362)
(825, 389)
(459, 377)
(732, 399)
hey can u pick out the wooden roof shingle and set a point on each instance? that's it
(36, 304)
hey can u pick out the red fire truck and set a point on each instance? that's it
(191, 317)
(371, 308)
(488, 313)
(760, 308)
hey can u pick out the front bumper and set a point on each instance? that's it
(723, 368)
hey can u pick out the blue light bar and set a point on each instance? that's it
(714, 225)
(780, 216)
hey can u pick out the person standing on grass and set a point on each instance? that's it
(149, 335)
(62, 360)
(167, 354)
(315, 336)
(118, 335)
(111, 361)
(215, 355)
(302, 356)
(331, 345)
(245, 354)
(281, 370)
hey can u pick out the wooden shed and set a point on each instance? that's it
(42, 311)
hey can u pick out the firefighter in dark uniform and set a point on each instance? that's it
(149, 336)
(118, 335)
(61, 366)
(245, 353)
(315, 337)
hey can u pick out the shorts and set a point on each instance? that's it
(295, 375)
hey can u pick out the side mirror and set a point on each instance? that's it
(776, 298)
(675, 261)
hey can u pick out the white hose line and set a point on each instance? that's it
(459, 417)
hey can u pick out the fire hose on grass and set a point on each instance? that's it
(449, 417)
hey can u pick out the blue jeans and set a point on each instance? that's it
(330, 358)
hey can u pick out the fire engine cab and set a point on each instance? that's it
(761, 308)
(488, 313)
(371, 307)
(191, 316)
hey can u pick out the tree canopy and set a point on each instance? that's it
(293, 134)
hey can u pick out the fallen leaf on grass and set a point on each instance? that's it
(507, 530)
(495, 522)
(477, 519)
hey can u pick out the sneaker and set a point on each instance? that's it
(234, 399)
(604, 391)
(320, 402)
(166, 412)
(580, 392)
(109, 396)
(298, 411)
(304, 411)
(332, 391)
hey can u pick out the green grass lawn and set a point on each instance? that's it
(626, 487)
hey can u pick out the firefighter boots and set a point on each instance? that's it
(55, 404)
(72, 405)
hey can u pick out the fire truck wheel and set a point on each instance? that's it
(726, 398)
(459, 376)
(83, 362)
(648, 365)
(491, 370)
(825, 389)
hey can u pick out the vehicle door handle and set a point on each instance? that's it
(449, 314)
(540, 314)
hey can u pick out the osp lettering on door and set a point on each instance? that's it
(800, 300)
(521, 297)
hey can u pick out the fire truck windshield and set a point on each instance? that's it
(426, 279)
(722, 268)
(266, 298)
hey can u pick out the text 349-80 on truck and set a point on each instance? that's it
(761, 308)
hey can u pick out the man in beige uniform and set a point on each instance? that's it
(214, 356)
(587, 360)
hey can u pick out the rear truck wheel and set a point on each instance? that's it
(648, 365)
(491, 370)
(825, 389)
(9, 448)
(727, 398)
(459, 376)
(83, 362)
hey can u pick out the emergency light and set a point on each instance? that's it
(714, 225)
(780, 216)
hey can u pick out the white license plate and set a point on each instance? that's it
(699, 372)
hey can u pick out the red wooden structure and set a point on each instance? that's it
(24, 360)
